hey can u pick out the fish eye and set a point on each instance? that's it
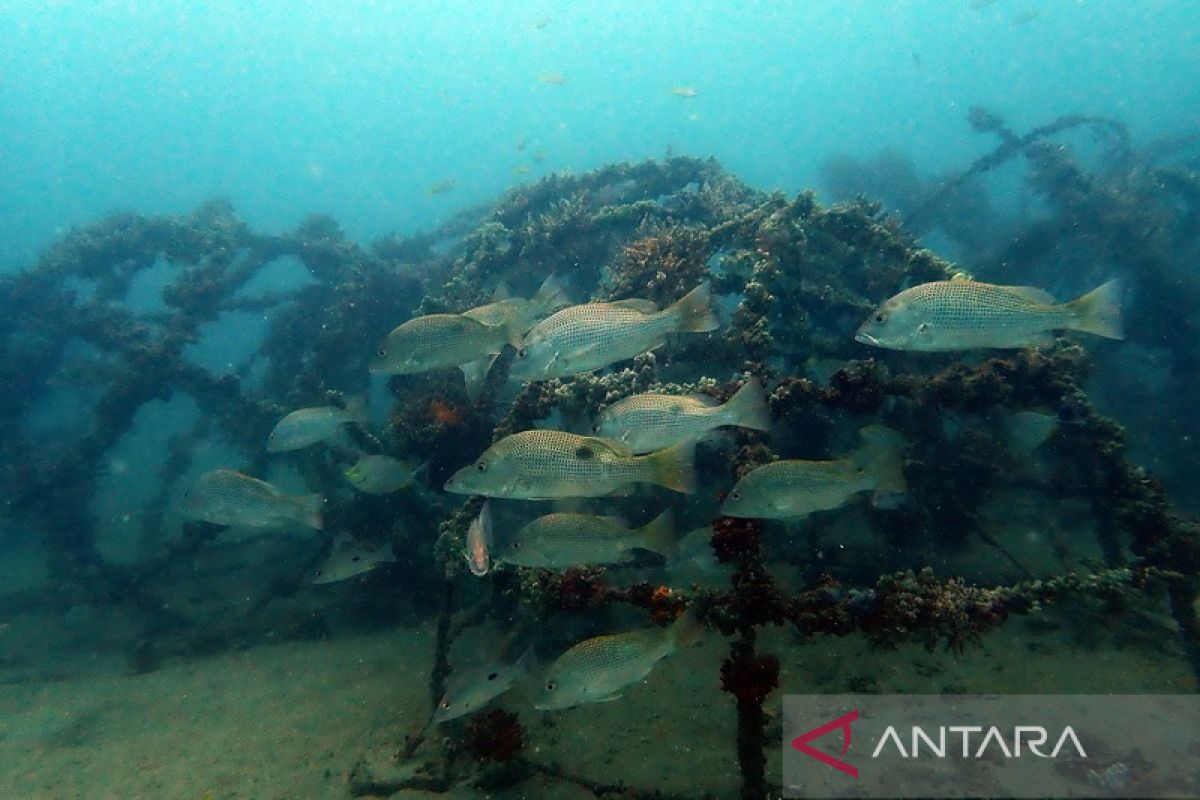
(382, 352)
(596, 428)
(356, 559)
(444, 704)
(881, 318)
(522, 353)
(735, 495)
(492, 676)
(551, 686)
(320, 572)
(516, 545)
(481, 467)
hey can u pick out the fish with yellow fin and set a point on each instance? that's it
(962, 314)
(544, 464)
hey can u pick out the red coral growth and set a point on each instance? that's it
(443, 413)
(664, 606)
(579, 589)
(749, 678)
(495, 735)
(734, 538)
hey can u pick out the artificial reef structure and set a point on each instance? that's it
(795, 278)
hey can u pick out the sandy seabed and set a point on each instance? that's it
(291, 720)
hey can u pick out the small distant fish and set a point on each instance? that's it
(348, 558)
(962, 314)
(540, 23)
(685, 91)
(543, 465)
(593, 335)
(307, 426)
(1025, 17)
(538, 156)
(524, 140)
(559, 541)
(521, 169)
(479, 542)
(471, 690)
(379, 474)
(552, 78)
(792, 489)
(227, 497)
(647, 422)
(437, 341)
(596, 670)
(442, 186)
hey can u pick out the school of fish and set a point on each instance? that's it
(643, 440)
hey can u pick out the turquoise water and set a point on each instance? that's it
(356, 110)
(214, 214)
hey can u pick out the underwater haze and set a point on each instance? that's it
(520, 400)
(355, 109)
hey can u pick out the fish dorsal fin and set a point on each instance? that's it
(706, 400)
(1034, 295)
(612, 445)
(501, 292)
(636, 304)
(960, 277)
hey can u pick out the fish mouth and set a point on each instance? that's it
(866, 338)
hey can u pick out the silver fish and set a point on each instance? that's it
(792, 489)
(471, 690)
(227, 497)
(962, 314)
(307, 426)
(348, 558)
(437, 341)
(648, 422)
(593, 335)
(542, 465)
(379, 474)
(562, 540)
(519, 314)
(596, 670)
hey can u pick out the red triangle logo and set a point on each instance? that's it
(842, 723)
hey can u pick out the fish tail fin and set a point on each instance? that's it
(551, 294)
(673, 467)
(882, 457)
(312, 507)
(1099, 311)
(748, 407)
(693, 312)
(659, 534)
(686, 630)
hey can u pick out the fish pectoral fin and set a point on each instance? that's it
(608, 698)
(475, 375)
